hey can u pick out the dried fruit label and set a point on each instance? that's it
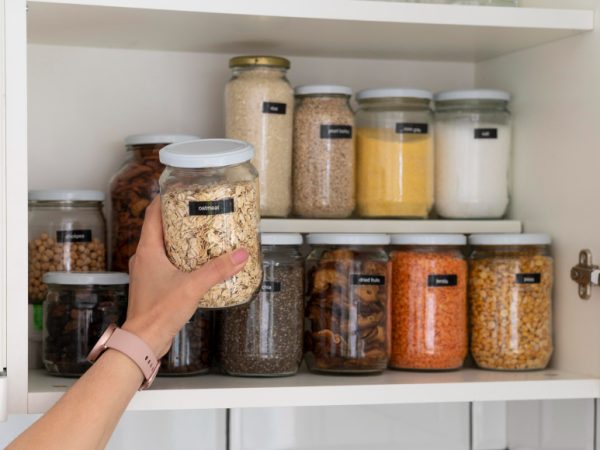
(412, 128)
(271, 286)
(336, 132)
(528, 278)
(486, 133)
(368, 280)
(442, 280)
(274, 108)
(70, 236)
(212, 207)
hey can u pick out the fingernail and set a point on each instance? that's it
(239, 256)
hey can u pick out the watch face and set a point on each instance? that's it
(101, 344)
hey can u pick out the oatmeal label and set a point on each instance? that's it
(368, 280)
(212, 207)
(486, 133)
(529, 278)
(73, 236)
(274, 108)
(336, 132)
(412, 128)
(271, 286)
(442, 280)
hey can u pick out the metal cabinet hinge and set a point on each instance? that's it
(586, 274)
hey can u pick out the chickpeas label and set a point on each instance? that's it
(70, 236)
(412, 128)
(271, 286)
(368, 280)
(336, 132)
(529, 278)
(212, 207)
(274, 108)
(442, 280)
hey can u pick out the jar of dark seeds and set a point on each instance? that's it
(77, 310)
(264, 337)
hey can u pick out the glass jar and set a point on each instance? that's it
(324, 169)
(77, 310)
(132, 189)
(394, 150)
(510, 298)
(346, 313)
(428, 302)
(473, 142)
(259, 109)
(209, 197)
(264, 338)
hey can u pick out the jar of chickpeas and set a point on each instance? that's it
(510, 297)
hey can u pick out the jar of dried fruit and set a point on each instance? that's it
(428, 302)
(210, 206)
(347, 277)
(132, 189)
(510, 298)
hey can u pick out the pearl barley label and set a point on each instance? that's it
(336, 132)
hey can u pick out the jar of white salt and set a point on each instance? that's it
(473, 147)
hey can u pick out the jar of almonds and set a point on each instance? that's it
(510, 296)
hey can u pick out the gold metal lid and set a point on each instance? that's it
(258, 60)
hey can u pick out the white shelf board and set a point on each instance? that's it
(307, 389)
(390, 226)
(340, 28)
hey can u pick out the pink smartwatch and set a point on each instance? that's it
(132, 346)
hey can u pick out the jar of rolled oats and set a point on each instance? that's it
(210, 206)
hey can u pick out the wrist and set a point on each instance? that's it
(151, 335)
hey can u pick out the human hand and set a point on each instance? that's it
(161, 297)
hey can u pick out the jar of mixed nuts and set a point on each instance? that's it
(265, 337)
(324, 181)
(429, 302)
(132, 189)
(259, 109)
(347, 303)
(510, 297)
(210, 206)
(77, 310)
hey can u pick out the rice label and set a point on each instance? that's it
(212, 207)
(274, 108)
(271, 286)
(412, 128)
(529, 278)
(368, 280)
(486, 133)
(73, 236)
(336, 132)
(442, 280)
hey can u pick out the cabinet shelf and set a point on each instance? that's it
(306, 389)
(338, 28)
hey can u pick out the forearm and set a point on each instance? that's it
(87, 414)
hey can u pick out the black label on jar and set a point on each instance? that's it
(271, 286)
(69, 236)
(274, 108)
(368, 280)
(442, 280)
(529, 278)
(486, 133)
(336, 132)
(412, 128)
(212, 207)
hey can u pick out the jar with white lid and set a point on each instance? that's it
(210, 206)
(473, 148)
(324, 159)
(77, 310)
(346, 312)
(394, 153)
(510, 299)
(259, 109)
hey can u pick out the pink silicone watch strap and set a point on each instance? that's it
(134, 347)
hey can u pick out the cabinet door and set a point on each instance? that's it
(3, 340)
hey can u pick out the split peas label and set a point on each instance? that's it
(412, 128)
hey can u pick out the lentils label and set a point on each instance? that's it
(442, 280)
(212, 207)
(529, 278)
(70, 236)
(274, 108)
(368, 280)
(486, 133)
(336, 132)
(412, 128)
(271, 286)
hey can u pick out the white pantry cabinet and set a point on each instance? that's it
(80, 75)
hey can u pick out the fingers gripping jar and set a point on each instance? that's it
(210, 206)
(346, 310)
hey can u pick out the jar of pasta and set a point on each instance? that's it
(510, 297)
(428, 302)
(394, 153)
(346, 312)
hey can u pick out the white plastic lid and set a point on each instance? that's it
(281, 239)
(86, 278)
(323, 89)
(158, 138)
(203, 153)
(510, 239)
(348, 239)
(473, 94)
(64, 195)
(428, 239)
(393, 93)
